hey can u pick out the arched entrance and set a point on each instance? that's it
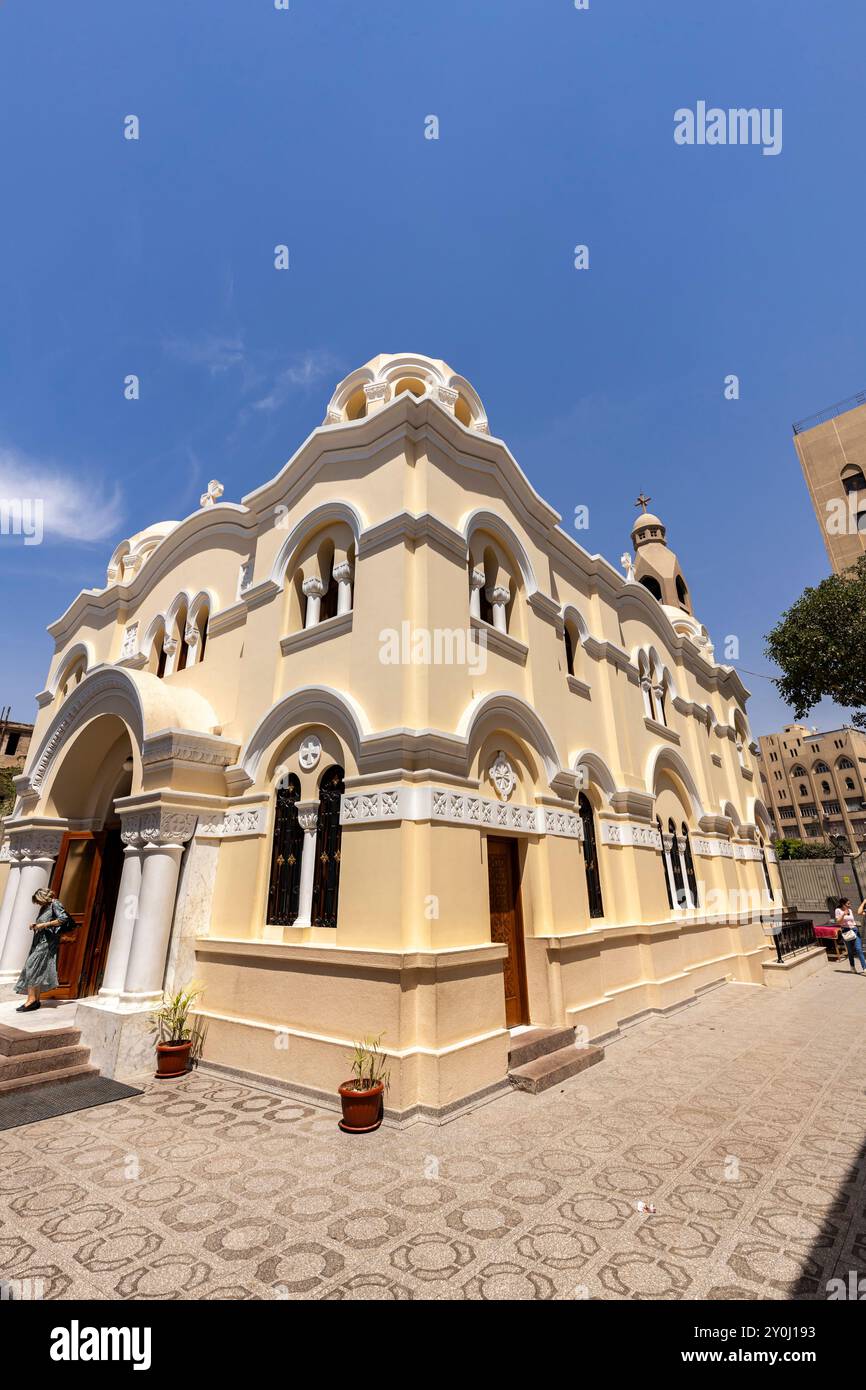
(95, 771)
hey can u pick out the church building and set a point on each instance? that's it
(381, 749)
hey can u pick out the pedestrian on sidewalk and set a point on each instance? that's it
(40, 968)
(847, 923)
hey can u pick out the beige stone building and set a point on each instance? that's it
(14, 742)
(382, 749)
(832, 450)
(814, 784)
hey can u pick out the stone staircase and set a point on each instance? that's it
(543, 1057)
(36, 1056)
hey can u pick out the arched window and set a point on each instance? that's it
(328, 606)
(569, 651)
(825, 788)
(182, 654)
(677, 867)
(201, 622)
(849, 784)
(682, 591)
(766, 871)
(646, 685)
(661, 694)
(798, 771)
(590, 857)
(821, 767)
(285, 881)
(804, 790)
(491, 587)
(651, 583)
(845, 763)
(853, 480)
(691, 877)
(73, 677)
(326, 884)
(666, 864)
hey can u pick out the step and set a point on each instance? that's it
(52, 1059)
(537, 1042)
(26, 1083)
(14, 1041)
(554, 1067)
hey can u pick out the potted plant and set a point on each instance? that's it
(179, 1040)
(363, 1097)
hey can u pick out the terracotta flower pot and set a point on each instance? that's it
(172, 1059)
(362, 1110)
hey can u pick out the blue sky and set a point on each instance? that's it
(306, 127)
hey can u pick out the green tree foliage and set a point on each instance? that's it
(820, 644)
(7, 791)
(802, 849)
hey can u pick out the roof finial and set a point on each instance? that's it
(642, 500)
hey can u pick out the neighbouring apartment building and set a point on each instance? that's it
(14, 742)
(832, 450)
(814, 783)
(250, 736)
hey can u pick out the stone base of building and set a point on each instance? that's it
(786, 974)
(121, 1039)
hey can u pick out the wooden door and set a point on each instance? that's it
(85, 880)
(506, 923)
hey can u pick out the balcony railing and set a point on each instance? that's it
(830, 413)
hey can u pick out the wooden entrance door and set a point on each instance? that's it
(85, 879)
(506, 923)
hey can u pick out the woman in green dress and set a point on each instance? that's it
(40, 967)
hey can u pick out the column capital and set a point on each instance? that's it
(308, 819)
(159, 826)
(342, 572)
(34, 842)
(477, 578)
(498, 594)
(313, 587)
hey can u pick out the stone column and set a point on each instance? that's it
(498, 597)
(378, 394)
(163, 834)
(125, 915)
(8, 902)
(313, 591)
(343, 575)
(36, 851)
(667, 845)
(308, 817)
(191, 636)
(476, 584)
(681, 846)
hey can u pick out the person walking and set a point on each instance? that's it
(847, 923)
(40, 968)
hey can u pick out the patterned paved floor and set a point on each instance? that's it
(741, 1119)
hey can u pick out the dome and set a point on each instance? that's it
(132, 553)
(380, 381)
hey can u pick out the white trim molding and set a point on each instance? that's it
(628, 832)
(440, 804)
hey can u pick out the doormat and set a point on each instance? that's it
(60, 1098)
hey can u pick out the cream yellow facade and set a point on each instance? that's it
(397, 603)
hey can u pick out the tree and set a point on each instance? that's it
(7, 791)
(819, 644)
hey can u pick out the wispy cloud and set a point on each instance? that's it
(265, 382)
(216, 353)
(309, 369)
(75, 506)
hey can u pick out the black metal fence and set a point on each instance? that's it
(793, 937)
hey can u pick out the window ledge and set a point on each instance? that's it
(661, 729)
(579, 687)
(309, 636)
(748, 774)
(500, 642)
